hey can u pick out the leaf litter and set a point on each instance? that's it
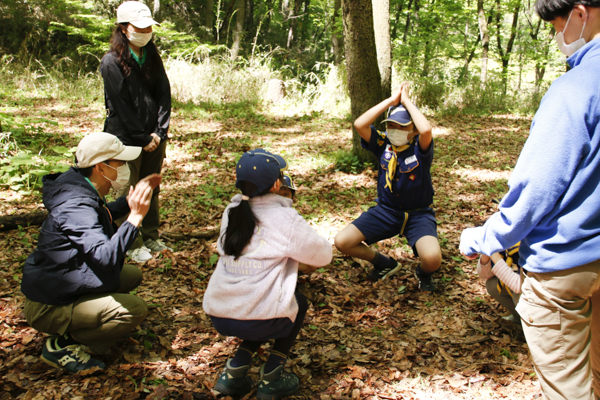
(360, 340)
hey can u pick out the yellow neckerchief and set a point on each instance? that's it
(509, 261)
(394, 163)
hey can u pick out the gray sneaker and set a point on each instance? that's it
(156, 246)
(140, 255)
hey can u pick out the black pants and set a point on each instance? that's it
(255, 332)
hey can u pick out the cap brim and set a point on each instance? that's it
(144, 23)
(282, 163)
(129, 154)
(397, 122)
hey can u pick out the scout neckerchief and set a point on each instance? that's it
(510, 254)
(394, 163)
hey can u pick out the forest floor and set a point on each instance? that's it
(360, 340)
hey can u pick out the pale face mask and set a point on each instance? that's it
(122, 177)
(139, 39)
(569, 49)
(398, 137)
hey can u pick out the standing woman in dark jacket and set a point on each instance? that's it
(138, 100)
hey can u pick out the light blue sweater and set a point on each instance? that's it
(553, 202)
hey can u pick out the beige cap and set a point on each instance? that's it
(101, 146)
(136, 13)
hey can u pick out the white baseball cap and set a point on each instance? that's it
(101, 146)
(136, 13)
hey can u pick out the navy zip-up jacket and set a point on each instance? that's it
(79, 249)
(139, 104)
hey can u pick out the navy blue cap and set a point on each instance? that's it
(259, 167)
(399, 115)
(287, 182)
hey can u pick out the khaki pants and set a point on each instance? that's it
(560, 314)
(97, 321)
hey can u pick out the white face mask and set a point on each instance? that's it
(122, 177)
(138, 39)
(569, 49)
(398, 137)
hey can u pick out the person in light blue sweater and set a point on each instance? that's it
(553, 209)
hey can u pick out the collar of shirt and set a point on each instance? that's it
(136, 58)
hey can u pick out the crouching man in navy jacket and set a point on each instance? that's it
(75, 282)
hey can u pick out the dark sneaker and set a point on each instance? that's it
(234, 381)
(426, 283)
(390, 268)
(72, 357)
(276, 384)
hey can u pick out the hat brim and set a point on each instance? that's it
(397, 122)
(130, 153)
(143, 23)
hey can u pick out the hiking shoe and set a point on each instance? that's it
(140, 255)
(426, 283)
(233, 381)
(72, 357)
(276, 384)
(156, 246)
(390, 268)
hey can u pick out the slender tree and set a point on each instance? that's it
(506, 53)
(485, 39)
(337, 34)
(238, 33)
(364, 80)
(381, 23)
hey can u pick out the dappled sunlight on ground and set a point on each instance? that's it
(482, 175)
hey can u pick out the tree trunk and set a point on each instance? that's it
(407, 25)
(293, 31)
(249, 24)
(398, 15)
(267, 24)
(337, 35)
(223, 23)
(383, 45)
(156, 12)
(505, 54)
(485, 39)
(238, 33)
(208, 16)
(305, 21)
(364, 81)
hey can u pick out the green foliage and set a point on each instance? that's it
(348, 162)
(22, 170)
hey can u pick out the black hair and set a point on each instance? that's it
(550, 9)
(87, 171)
(242, 221)
(119, 44)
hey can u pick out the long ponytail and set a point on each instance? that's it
(241, 222)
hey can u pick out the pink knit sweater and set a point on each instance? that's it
(261, 283)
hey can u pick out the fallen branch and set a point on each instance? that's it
(205, 234)
(9, 222)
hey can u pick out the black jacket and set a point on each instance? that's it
(139, 104)
(78, 251)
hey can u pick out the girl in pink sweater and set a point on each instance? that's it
(252, 293)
